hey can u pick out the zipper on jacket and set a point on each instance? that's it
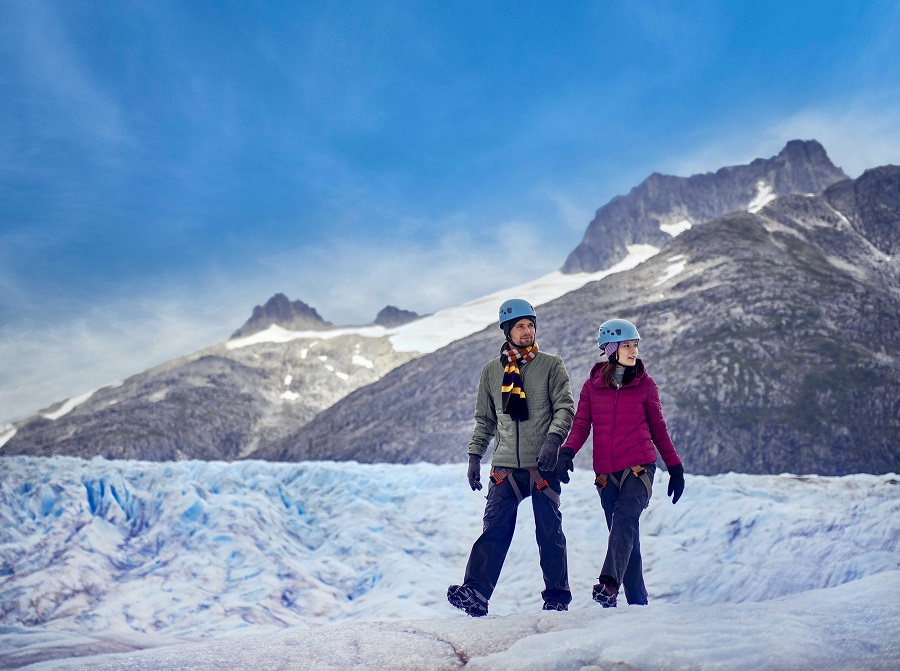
(612, 437)
(518, 458)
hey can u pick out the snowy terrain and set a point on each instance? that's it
(138, 565)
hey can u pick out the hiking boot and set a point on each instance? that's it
(467, 599)
(605, 595)
(554, 605)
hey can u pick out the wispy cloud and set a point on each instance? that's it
(350, 280)
(46, 363)
(51, 67)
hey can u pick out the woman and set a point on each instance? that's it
(620, 402)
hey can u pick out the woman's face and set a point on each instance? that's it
(627, 352)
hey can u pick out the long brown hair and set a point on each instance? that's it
(608, 372)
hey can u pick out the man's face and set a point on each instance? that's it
(522, 333)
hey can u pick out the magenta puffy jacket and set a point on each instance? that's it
(627, 423)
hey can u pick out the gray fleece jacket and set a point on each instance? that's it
(551, 409)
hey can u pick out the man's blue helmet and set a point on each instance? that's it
(617, 330)
(515, 309)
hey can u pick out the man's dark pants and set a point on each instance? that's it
(489, 551)
(623, 507)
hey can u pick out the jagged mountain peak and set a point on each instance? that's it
(800, 150)
(391, 316)
(662, 201)
(281, 311)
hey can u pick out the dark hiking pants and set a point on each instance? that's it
(623, 507)
(489, 551)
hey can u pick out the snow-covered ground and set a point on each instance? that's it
(136, 565)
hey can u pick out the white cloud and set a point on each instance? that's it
(350, 281)
(574, 217)
(44, 365)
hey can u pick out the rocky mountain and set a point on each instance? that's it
(662, 204)
(280, 311)
(774, 337)
(216, 404)
(390, 316)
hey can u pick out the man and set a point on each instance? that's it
(525, 403)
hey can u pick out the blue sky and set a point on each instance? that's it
(166, 166)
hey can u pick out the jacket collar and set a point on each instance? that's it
(640, 373)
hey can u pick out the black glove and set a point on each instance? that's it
(474, 472)
(564, 465)
(676, 482)
(549, 451)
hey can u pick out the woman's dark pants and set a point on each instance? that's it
(623, 507)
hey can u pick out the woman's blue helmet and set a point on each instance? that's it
(616, 330)
(515, 309)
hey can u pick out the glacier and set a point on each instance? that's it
(125, 564)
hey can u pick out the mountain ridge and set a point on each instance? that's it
(663, 201)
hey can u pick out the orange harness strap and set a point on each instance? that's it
(537, 480)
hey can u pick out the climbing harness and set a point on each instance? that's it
(537, 480)
(603, 479)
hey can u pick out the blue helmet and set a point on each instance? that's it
(616, 330)
(515, 309)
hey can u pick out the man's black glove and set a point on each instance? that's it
(549, 451)
(564, 465)
(676, 482)
(474, 472)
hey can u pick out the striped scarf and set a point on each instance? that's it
(512, 394)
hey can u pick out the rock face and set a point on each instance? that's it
(774, 338)
(663, 201)
(872, 204)
(391, 316)
(217, 404)
(280, 311)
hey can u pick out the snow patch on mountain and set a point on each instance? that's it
(362, 361)
(676, 265)
(676, 228)
(765, 194)
(67, 406)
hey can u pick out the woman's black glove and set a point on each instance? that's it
(564, 465)
(676, 482)
(474, 472)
